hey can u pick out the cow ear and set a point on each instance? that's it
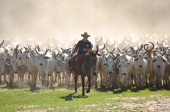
(134, 56)
(63, 62)
(99, 54)
(153, 60)
(105, 63)
(118, 66)
(19, 58)
(145, 57)
(7, 64)
(163, 60)
(46, 57)
(128, 62)
(136, 59)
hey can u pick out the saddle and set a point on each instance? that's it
(78, 63)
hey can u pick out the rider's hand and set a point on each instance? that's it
(85, 49)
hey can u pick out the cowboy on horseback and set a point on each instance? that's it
(83, 46)
(85, 62)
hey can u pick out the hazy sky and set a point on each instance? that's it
(69, 18)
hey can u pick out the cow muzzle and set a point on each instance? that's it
(41, 64)
(110, 72)
(15, 72)
(140, 66)
(158, 66)
(124, 73)
(19, 67)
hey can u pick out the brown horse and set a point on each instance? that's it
(86, 69)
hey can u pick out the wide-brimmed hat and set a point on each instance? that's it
(85, 34)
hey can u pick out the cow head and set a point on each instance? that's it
(123, 67)
(42, 57)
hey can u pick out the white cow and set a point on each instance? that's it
(141, 70)
(125, 69)
(46, 66)
(158, 64)
(109, 68)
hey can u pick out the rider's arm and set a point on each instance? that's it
(76, 48)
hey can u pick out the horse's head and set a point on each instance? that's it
(91, 56)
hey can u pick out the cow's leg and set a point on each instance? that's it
(46, 78)
(51, 79)
(5, 79)
(29, 78)
(108, 80)
(137, 79)
(11, 78)
(101, 81)
(120, 79)
(125, 81)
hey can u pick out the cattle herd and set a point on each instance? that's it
(126, 64)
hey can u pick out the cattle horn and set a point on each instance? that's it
(2, 43)
(38, 47)
(27, 50)
(115, 57)
(132, 49)
(114, 42)
(113, 49)
(29, 47)
(46, 51)
(97, 47)
(21, 51)
(63, 57)
(145, 47)
(16, 50)
(152, 46)
(140, 47)
(104, 46)
(167, 57)
(118, 49)
(68, 49)
(36, 51)
(163, 53)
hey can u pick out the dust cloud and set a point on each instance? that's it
(68, 19)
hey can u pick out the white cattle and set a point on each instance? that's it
(141, 70)
(125, 69)
(46, 66)
(32, 67)
(158, 64)
(3, 66)
(108, 68)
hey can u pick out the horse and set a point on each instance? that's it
(85, 69)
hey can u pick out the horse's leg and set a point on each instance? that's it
(75, 80)
(89, 85)
(82, 79)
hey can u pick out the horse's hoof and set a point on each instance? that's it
(88, 91)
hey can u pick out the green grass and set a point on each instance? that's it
(20, 99)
